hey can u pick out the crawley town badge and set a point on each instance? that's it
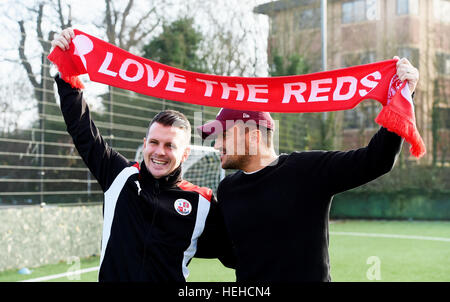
(393, 87)
(182, 206)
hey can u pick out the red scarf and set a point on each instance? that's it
(333, 90)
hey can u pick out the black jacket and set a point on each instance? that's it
(278, 216)
(152, 227)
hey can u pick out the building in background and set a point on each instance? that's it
(364, 31)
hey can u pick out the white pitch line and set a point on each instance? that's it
(91, 269)
(67, 274)
(391, 236)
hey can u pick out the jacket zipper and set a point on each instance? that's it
(155, 196)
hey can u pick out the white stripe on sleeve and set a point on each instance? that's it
(111, 197)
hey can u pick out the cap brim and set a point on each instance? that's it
(211, 130)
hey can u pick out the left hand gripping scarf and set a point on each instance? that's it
(334, 90)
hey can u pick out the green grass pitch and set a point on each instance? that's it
(365, 258)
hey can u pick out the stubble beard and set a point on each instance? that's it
(236, 162)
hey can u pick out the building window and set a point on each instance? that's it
(443, 63)
(362, 116)
(407, 7)
(444, 117)
(442, 10)
(309, 18)
(273, 26)
(412, 54)
(353, 11)
(359, 10)
(367, 57)
(359, 58)
(353, 118)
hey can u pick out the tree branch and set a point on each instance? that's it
(110, 27)
(133, 31)
(23, 57)
(124, 21)
(69, 18)
(39, 23)
(143, 34)
(60, 14)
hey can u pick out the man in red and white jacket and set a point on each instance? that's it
(154, 222)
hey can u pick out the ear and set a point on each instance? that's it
(255, 136)
(145, 142)
(186, 153)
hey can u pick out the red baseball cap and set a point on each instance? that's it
(226, 119)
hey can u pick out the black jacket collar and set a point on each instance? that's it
(168, 181)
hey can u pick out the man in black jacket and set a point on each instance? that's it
(276, 208)
(154, 222)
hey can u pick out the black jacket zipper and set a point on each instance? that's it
(155, 194)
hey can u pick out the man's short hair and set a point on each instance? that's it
(172, 118)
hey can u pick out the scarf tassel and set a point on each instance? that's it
(66, 66)
(394, 118)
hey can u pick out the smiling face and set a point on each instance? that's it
(165, 148)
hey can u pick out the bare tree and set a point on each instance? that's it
(118, 28)
(230, 46)
(42, 84)
(122, 31)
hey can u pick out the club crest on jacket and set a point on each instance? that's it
(182, 206)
